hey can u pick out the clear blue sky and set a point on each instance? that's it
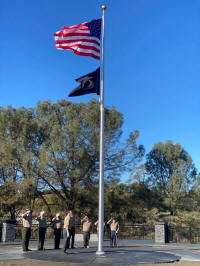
(152, 62)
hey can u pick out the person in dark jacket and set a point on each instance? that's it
(57, 225)
(42, 227)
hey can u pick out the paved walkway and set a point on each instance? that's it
(152, 243)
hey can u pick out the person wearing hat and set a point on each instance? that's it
(26, 229)
(114, 228)
(69, 226)
(87, 228)
(42, 226)
(57, 226)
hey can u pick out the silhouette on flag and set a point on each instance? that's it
(89, 84)
(83, 39)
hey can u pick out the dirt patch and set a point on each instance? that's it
(27, 262)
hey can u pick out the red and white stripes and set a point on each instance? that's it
(79, 39)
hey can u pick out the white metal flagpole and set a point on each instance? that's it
(100, 250)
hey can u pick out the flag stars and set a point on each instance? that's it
(86, 44)
(95, 28)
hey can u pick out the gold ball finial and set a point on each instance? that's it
(104, 7)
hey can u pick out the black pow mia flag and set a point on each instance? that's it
(90, 83)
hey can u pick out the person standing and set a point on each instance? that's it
(57, 226)
(26, 230)
(69, 226)
(87, 227)
(114, 228)
(42, 227)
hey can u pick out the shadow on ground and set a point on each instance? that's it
(121, 255)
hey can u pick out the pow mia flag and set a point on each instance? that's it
(89, 84)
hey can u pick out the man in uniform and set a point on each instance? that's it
(114, 228)
(87, 227)
(26, 230)
(69, 226)
(42, 226)
(57, 225)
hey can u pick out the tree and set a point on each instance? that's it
(131, 202)
(170, 169)
(138, 174)
(55, 147)
(69, 155)
(19, 141)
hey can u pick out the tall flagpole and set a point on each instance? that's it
(100, 250)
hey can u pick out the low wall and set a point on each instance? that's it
(79, 237)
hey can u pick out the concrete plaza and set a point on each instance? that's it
(128, 252)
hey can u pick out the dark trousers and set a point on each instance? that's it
(113, 238)
(41, 233)
(57, 234)
(86, 239)
(69, 235)
(26, 234)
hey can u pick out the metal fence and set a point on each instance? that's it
(183, 234)
(127, 231)
(139, 232)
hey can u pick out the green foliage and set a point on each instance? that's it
(168, 162)
(18, 143)
(150, 216)
(184, 218)
(69, 154)
(189, 218)
(131, 203)
(56, 147)
(171, 170)
(49, 159)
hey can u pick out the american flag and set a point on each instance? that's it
(83, 39)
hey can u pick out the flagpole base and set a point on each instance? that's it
(100, 252)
